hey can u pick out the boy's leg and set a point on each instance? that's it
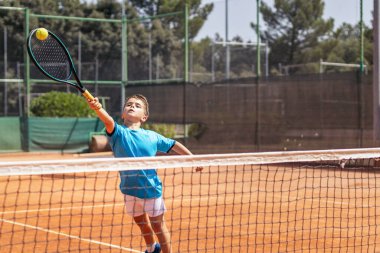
(159, 226)
(146, 230)
(135, 208)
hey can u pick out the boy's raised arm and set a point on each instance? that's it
(103, 115)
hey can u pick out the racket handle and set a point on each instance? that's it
(87, 95)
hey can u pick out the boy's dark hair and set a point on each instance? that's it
(142, 98)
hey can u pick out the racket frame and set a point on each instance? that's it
(78, 85)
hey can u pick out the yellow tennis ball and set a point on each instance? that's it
(42, 34)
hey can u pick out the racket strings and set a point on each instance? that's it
(51, 57)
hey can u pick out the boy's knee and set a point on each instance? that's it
(157, 226)
(142, 224)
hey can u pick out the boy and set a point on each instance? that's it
(142, 189)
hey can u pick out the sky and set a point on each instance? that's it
(243, 12)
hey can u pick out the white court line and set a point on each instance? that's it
(60, 208)
(68, 235)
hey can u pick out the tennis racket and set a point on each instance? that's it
(52, 57)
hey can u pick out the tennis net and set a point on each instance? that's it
(303, 201)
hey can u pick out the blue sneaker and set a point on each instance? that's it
(157, 248)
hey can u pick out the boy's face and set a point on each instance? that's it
(134, 111)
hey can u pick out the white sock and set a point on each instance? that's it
(151, 248)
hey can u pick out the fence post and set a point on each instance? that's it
(257, 123)
(124, 48)
(186, 58)
(25, 118)
(27, 64)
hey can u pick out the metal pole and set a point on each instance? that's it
(376, 71)
(257, 123)
(18, 73)
(186, 63)
(258, 71)
(80, 55)
(191, 66)
(361, 38)
(124, 48)
(150, 54)
(96, 73)
(26, 131)
(266, 59)
(27, 66)
(158, 67)
(213, 61)
(360, 84)
(5, 72)
(227, 45)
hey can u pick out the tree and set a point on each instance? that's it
(161, 39)
(293, 27)
(343, 46)
(165, 35)
(198, 14)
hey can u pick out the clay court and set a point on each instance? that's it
(276, 208)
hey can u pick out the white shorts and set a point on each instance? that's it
(136, 207)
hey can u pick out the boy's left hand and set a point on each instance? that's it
(94, 104)
(198, 169)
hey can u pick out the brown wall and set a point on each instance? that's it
(296, 112)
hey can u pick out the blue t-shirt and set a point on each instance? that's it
(125, 142)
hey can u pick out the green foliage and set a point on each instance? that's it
(295, 31)
(60, 104)
(164, 35)
(167, 130)
(298, 34)
(196, 130)
(199, 13)
(293, 28)
(101, 41)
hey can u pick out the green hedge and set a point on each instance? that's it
(60, 104)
